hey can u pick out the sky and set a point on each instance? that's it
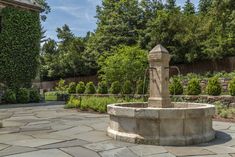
(78, 14)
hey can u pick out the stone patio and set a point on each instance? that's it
(51, 131)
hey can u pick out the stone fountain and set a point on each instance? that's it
(160, 121)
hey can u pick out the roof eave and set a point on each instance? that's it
(22, 5)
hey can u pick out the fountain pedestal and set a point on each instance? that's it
(159, 59)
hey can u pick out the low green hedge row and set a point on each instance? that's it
(22, 96)
(103, 88)
(98, 104)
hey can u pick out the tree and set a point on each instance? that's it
(49, 47)
(170, 5)
(204, 6)
(65, 35)
(117, 23)
(126, 63)
(221, 30)
(46, 9)
(149, 9)
(164, 29)
(189, 8)
(66, 58)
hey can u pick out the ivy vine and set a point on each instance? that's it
(19, 47)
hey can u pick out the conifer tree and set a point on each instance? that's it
(189, 8)
(204, 6)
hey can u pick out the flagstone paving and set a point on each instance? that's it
(52, 131)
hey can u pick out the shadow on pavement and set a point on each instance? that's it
(220, 138)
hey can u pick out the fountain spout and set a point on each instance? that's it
(159, 59)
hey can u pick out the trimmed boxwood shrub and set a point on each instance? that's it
(115, 88)
(80, 88)
(127, 87)
(72, 88)
(231, 87)
(34, 95)
(214, 88)
(90, 88)
(61, 86)
(194, 87)
(9, 96)
(102, 88)
(176, 87)
(22, 96)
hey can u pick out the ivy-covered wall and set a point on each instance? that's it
(19, 47)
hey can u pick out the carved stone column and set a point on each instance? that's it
(159, 59)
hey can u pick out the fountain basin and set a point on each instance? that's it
(185, 124)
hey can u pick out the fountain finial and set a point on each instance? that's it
(159, 59)
(159, 49)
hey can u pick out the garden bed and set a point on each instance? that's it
(224, 99)
(99, 104)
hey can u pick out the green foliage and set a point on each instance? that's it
(61, 86)
(141, 88)
(51, 96)
(126, 63)
(194, 87)
(231, 87)
(90, 88)
(115, 88)
(46, 8)
(204, 6)
(66, 58)
(223, 111)
(73, 102)
(102, 88)
(220, 27)
(176, 87)
(189, 8)
(80, 88)
(127, 88)
(118, 23)
(34, 95)
(98, 104)
(214, 87)
(56, 96)
(19, 47)
(9, 96)
(170, 5)
(72, 88)
(23, 96)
